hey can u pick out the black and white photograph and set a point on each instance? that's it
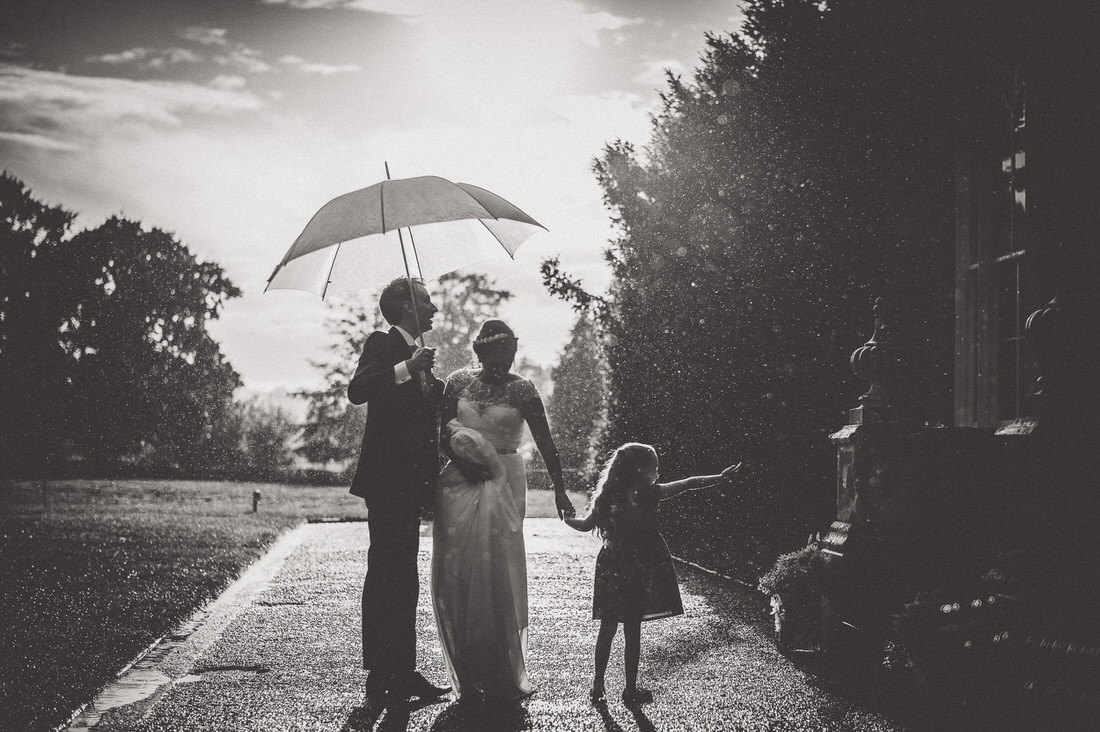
(549, 365)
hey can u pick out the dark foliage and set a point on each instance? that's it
(578, 409)
(105, 356)
(33, 366)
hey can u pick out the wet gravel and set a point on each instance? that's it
(290, 659)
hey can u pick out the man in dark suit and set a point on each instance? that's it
(398, 464)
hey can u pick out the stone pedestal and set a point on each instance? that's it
(870, 447)
(873, 479)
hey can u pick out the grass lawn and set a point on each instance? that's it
(94, 571)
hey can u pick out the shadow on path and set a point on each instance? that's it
(644, 725)
(610, 725)
(395, 719)
(503, 717)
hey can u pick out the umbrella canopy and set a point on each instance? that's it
(354, 242)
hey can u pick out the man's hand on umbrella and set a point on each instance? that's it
(422, 360)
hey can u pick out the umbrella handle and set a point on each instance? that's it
(408, 275)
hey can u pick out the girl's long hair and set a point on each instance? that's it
(619, 473)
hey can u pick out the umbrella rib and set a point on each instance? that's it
(493, 234)
(382, 201)
(328, 279)
(480, 205)
(416, 255)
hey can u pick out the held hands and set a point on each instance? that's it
(566, 512)
(423, 359)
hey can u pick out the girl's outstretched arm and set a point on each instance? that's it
(585, 524)
(668, 490)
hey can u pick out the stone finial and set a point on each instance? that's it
(869, 362)
(1045, 332)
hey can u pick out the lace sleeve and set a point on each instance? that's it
(525, 394)
(458, 381)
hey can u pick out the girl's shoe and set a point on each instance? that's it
(637, 696)
(596, 695)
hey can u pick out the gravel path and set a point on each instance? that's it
(283, 654)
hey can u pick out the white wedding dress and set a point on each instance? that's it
(479, 567)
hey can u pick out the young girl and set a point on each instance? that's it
(635, 579)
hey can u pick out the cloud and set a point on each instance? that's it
(205, 36)
(39, 141)
(12, 50)
(653, 72)
(593, 27)
(228, 82)
(246, 59)
(74, 110)
(296, 63)
(240, 57)
(385, 7)
(310, 4)
(148, 58)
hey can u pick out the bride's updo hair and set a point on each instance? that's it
(494, 334)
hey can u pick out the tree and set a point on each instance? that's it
(148, 376)
(465, 301)
(34, 387)
(265, 434)
(104, 347)
(805, 170)
(334, 427)
(578, 408)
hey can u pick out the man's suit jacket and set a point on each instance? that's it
(399, 459)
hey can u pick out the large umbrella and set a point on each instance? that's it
(355, 241)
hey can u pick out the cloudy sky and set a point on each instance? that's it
(230, 122)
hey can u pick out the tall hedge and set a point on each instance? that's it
(805, 169)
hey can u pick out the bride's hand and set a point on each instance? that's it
(564, 505)
(471, 471)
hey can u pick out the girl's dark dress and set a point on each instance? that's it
(635, 579)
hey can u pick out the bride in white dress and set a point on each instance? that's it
(479, 567)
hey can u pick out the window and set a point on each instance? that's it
(993, 373)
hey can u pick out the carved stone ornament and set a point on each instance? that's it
(870, 362)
